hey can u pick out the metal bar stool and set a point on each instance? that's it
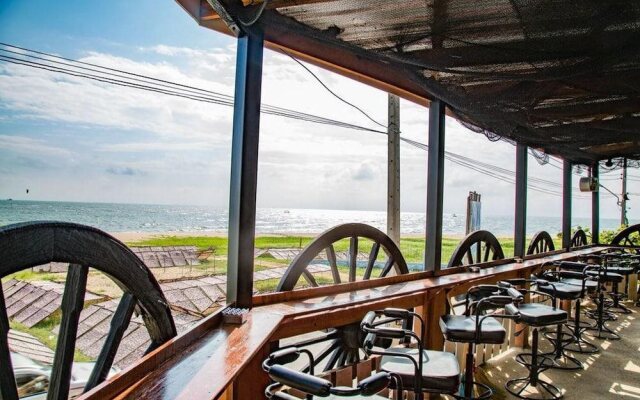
(424, 370)
(587, 285)
(559, 339)
(314, 386)
(537, 316)
(476, 326)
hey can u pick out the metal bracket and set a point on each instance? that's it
(230, 21)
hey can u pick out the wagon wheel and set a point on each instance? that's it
(628, 237)
(341, 346)
(477, 247)
(579, 239)
(541, 243)
(30, 244)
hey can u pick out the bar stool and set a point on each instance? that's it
(538, 316)
(314, 386)
(580, 280)
(425, 370)
(600, 314)
(475, 327)
(559, 339)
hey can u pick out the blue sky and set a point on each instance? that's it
(67, 138)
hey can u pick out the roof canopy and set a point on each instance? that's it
(558, 75)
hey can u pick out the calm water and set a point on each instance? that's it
(163, 218)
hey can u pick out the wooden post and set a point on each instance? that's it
(436, 307)
(566, 205)
(252, 380)
(393, 169)
(244, 169)
(435, 186)
(520, 233)
(595, 207)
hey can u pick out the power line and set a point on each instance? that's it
(118, 77)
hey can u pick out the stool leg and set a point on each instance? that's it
(537, 365)
(580, 345)
(603, 331)
(468, 373)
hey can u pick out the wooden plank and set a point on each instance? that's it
(72, 304)
(252, 374)
(436, 307)
(633, 287)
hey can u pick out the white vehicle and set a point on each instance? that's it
(32, 378)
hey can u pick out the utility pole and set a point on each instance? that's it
(393, 169)
(623, 197)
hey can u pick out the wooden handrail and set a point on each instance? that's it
(207, 360)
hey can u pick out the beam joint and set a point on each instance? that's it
(435, 186)
(244, 169)
(520, 233)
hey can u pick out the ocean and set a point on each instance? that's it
(174, 218)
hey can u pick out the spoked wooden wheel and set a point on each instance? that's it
(477, 247)
(579, 239)
(628, 237)
(342, 345)
(27, 245)
(541, 243)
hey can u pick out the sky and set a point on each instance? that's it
(71, 139)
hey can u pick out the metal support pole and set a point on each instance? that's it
(435, 186)
(520, 234)
(393, 169)
(595, 207)
(566, 205)
(623, 196)
(244, 169)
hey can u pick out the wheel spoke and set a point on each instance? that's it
(486, 252)
(331, 257)
(119, 324)
(469, 257)
(334, 357)
(309, 278)
(372, 260)
(387, 266)
(8, 389)
(320, 357)
(72, 303)
(353, 258)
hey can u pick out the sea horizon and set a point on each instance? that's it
(163, 218)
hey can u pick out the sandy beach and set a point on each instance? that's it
(140, 236)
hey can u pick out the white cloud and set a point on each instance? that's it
(30, 146)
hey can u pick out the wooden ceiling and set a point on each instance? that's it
(558, 75)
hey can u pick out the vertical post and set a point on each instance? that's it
(435, 186)
(244, 169)
(393, 169)
(566, 205)
(595, 206)
(623, 195)
(520, 234)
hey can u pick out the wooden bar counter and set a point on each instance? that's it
(205, 362)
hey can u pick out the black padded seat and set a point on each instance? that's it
(563, 291)
(626, 271)
(535, 314)
(462, 328)
(589, 284)
(440, 371)
(611, 277)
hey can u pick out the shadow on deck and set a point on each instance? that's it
(614, 372)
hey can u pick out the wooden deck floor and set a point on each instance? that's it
(613, 373)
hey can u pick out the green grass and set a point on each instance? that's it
(42, 331)
(412, 248)
(29, 275)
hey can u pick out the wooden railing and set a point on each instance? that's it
(222, 361)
